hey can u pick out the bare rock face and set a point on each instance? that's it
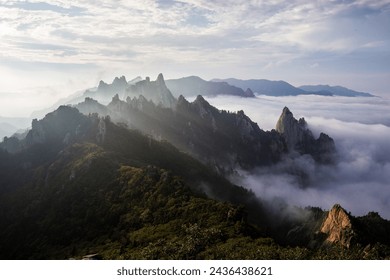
(156, 91)
(338, 227)
(299, 138)
(294, 131)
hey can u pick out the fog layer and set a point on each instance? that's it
(360, 178)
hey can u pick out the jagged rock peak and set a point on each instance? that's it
(115, 98)
(293, 131)
(155, 91)
(102, 84)
(286, 110)
(338, 227)
(135, 80)
(90, 100)
(122, 79)
(160, 79)
(181, 100)
(202, 106)
(200, 100)
(299, 138)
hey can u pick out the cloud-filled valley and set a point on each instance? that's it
(360, 178)
(97, 155)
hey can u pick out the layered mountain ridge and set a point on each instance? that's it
(299, 138)
(334, 90)
(222, 139)
(282, 88)
(193, 86)
(145, 177)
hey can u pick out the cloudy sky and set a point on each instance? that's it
(52, 48)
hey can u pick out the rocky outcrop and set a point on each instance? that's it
(155, 91)
(90, 106)
(299, 138)
(217, 137)
(294, 131)
(104, 92)
(37, 133)
(338, 228)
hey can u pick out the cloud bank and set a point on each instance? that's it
(360, 179)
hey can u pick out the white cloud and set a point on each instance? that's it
(244, 39)
(359, 180)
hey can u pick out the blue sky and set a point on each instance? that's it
(49, 49)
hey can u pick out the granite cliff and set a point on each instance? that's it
(299, 138)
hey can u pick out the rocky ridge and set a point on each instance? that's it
(299, 138)
(155, 91)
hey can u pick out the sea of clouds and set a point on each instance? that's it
(360, 178)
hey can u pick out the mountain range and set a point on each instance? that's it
(193, 86)
(265, 87)
(282, 88)
(147, 176)
(187, 86)
(335, 90)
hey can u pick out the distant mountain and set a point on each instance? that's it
(155, 91)
(7, 129)
(193, 86)
(334, 90)
(223, 140)
(265, 87)
(220, 139)
(104, 93)
(9, 126)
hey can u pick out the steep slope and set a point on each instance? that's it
(70, 180)
(104, 91)
(155, 91)
(298, 137)
(66, 126)
(334, 90)
(336, 234)
(265, 87)
(83, 185)
(223, 140)
(193, 86)
(338, 227)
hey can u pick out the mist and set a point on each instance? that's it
(360, 178)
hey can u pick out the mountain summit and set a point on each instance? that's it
(299, 138)
(155, 91)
